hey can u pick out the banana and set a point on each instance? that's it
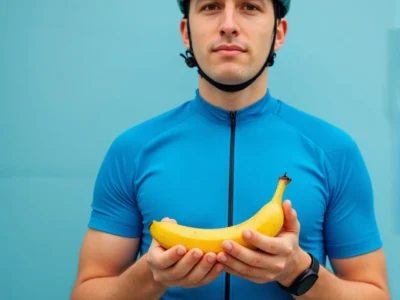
(268, 221)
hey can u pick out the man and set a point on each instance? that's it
(213, 162)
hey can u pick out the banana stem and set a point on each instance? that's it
(282, 183)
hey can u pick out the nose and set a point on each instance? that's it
(228, 25)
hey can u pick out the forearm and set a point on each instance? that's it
(135, 283)
(330, 287)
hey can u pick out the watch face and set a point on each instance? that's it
(307, 283)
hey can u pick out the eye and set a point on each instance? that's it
(250, 7)
(209, 7)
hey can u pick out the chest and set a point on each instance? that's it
(202, 181)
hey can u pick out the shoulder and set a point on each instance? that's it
(343, 162)
(335, 142)
(341, 156)
(134, 138)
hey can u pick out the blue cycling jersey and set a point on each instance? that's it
(207, 167)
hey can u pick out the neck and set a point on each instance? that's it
(237, 100)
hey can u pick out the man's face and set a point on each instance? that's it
(232, 38)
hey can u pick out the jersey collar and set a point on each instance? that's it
(262, 107)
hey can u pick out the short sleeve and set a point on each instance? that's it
(350, 224)
(114, 208)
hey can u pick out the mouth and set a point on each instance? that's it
(229, 50)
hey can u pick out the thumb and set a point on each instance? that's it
(169, 220)
(291, 223)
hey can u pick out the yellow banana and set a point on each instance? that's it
(268, 221)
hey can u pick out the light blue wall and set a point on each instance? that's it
(74, 74)
(396, 13)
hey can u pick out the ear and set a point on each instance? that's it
(281, 33)
(184, 33)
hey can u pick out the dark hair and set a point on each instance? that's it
(280, 8)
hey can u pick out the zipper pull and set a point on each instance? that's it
(233, 118)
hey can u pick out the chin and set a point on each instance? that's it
(229, 75)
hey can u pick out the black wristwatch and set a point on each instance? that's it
(305, 280)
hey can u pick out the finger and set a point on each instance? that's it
(215, 271)
(183, 266)
(166, 219)
(248, 256)
(240, 267)
(265, 278)
(160, 258)
(291, 223)
(202, 268)
(267, 244)
(199, 271)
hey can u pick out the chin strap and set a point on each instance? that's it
(191, 62)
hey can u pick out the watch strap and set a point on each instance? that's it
(311, 271)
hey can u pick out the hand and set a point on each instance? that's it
(277, 258)
(177, 267)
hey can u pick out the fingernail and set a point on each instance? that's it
(223, 258)
(196, 254)
(211, 259)
(227, 246)
(180, 251)
(247, 234)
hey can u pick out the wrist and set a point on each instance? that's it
(301, 264)
(138, 279)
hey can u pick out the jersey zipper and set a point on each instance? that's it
(232, 115)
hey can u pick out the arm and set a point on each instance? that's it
(351, 237)
(362, 277)
(106, 270)
(115, 229)
(351, 233)
(281, 259)
(112, 241)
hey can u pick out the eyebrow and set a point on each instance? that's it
(198, 2)
(261, 2)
